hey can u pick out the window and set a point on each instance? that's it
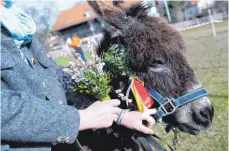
(88, 13)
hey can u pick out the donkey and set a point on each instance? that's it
(155, 51)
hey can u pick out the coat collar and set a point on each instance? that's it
(34, 46)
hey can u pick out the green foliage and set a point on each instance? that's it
(94, 83)
(114, 60)
(174, 4)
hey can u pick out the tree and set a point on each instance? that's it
(220, 6)
(175, 9)
(44, 16)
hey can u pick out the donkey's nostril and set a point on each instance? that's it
(207, 113)
(204, 114)
(203, 117)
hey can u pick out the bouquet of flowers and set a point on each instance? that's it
(93, 77)
(90, 77)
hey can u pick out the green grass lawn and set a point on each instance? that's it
(208, 57)
(63, 61)
(199, 32)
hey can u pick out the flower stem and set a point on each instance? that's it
(105, 98)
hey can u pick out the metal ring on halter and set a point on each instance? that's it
(120, 116)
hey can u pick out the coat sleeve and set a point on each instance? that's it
(26, 118)
(68, 85)
(74, 98)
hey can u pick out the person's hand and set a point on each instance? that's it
(99, 115)
(134, 120)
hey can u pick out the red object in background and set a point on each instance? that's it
(143, 93)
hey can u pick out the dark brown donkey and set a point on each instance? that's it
(155, 51)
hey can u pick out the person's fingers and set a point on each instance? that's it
(96, 102)
(116, 110)
(114, 102)
(150, 120)
(151, 111)
(144, 129)
(150, 124)
(115, 117)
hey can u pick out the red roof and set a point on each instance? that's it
(76, 15)
(73, 16)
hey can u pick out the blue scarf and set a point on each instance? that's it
(20, 25)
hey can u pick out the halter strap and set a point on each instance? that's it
(168, 106)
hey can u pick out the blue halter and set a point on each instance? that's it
(168, 106)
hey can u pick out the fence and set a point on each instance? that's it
(200, 21)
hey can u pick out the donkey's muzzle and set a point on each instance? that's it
(204, 117)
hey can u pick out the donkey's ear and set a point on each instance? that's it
(111, 14)
(96, 7)
(139, 10)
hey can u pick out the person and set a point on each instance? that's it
(34, 110)
(76, 44)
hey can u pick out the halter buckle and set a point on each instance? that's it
(168, 107)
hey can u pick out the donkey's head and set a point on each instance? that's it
(156, 54)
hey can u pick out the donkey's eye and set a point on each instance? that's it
(157, 66)
(157, 62)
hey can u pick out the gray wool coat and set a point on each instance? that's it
(34, 110)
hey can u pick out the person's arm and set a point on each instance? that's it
(26, 118)
(68, 85)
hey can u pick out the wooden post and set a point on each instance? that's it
(167, 10)
(212, 22)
